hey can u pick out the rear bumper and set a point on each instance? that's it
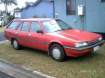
(76, 52)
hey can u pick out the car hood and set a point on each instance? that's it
(79, 35)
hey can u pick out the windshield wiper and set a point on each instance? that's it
(58, 30)
(62, 29)
(67, 28)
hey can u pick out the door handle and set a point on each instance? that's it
(17, 32)
(29, 34)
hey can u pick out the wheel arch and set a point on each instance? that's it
(12, 39)
(52, 43)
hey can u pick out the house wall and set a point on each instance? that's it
(73, 20)
(93, 19)
(95, 16)
(41, 10)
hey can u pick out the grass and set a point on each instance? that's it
(92, 66)
(1, 29)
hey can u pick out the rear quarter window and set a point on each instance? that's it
(13, 25)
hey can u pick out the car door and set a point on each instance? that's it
(23, 33)
(38, 38)
(34, 42)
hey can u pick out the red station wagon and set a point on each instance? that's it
(53, 36)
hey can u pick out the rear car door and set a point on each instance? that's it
(23, 32)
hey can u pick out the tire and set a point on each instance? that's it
(15, 44)
(57, 52)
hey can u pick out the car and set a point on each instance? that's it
(53, 36)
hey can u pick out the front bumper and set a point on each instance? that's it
(76, 52)
(86, 47)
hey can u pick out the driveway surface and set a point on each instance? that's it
(2, 36)
(3, 75)
(8, 70)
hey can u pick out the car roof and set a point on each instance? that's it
(34, 19)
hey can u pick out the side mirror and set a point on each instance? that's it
(40, 31)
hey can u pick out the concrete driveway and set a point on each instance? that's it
(3, 75)
(8, 70)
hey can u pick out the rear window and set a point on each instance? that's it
(25, 26)
(13, 25)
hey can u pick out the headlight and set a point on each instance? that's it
(100, 38)
(81, 44)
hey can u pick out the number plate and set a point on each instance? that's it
(96, 48)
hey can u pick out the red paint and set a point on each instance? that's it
(43, 41)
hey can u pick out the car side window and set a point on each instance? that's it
(13, 25)
(25, 26)
(35, 27)
(20, 26)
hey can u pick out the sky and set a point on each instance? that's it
(21, 3)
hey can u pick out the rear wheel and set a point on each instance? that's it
(15, 44)
(57, 52)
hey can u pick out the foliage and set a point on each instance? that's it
(8, 2)
(10, 18)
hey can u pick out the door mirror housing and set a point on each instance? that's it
(40, 31)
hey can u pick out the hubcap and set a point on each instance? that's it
(15, 44)
(56, 53)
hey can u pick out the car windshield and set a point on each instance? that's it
(55, 25)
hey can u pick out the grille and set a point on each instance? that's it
(93, 42)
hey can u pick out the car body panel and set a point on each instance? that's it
(79, 35)
(65, 38)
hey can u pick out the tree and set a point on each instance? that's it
(7, 3)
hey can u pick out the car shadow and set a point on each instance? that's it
(86, 57)
(33, 51)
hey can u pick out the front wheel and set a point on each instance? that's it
(57, 52)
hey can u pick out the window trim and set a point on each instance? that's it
(102, 1)
(18, 23)
(19, 26)
(28, 28)
(37, 23)
(70, 14)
